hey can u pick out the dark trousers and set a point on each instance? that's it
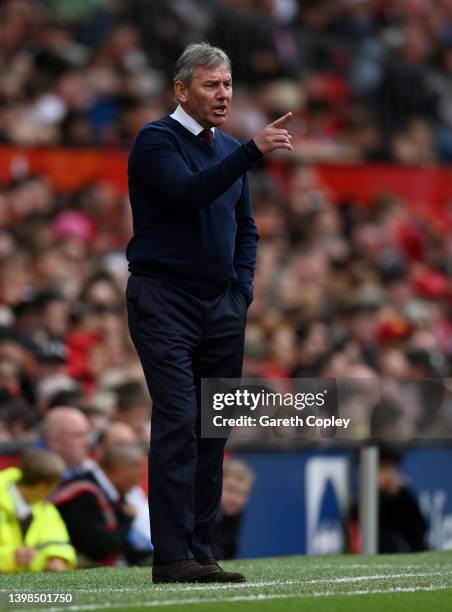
(181, 339)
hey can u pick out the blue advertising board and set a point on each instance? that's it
(281, 518)
(301, 499)
(429, 472)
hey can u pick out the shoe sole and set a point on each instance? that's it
(166, 579)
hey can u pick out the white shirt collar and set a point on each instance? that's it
(187, 121)
(104, 482)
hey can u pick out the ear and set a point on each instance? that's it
(181, 91)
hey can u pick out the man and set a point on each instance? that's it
(238, 481)
(401, 526)
(33, 536)
(192, 259)
(140, 531)
(66, 431)
(95, 510)
(133, 408)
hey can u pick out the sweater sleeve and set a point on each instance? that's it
(155, 161)
(246, 240)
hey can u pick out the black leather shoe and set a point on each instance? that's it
(184, 570)
(222, 575)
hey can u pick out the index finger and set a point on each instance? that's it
(281, 120)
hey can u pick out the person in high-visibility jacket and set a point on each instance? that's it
(33, 536)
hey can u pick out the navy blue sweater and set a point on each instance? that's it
(191, 207)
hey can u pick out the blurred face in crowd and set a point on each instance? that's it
(55, 318)
(119, 433)
(40, 491)
(115, 433)
(137, 418)
(390, 480)
(236, 492)
(103, 293)
(67, 433)
(126, 475)
(208, 97)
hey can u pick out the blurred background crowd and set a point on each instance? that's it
(342, 290)
(367, 79)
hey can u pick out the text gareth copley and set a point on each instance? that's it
(293, 421)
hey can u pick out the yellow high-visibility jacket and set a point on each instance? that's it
(47, 532)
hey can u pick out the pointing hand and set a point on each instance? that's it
(274, 136)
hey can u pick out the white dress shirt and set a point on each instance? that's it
(188, 122)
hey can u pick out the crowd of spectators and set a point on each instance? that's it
(342, 290)
(366, 79)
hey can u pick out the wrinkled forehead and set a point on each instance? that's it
(221, 72)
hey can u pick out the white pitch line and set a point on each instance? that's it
(267, 583)
(347, 579)
(430, 588)
(260, 597)
(200, 587)
(350, 566)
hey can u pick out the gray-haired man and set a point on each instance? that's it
(192, 260)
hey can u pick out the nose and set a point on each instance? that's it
(223, 92)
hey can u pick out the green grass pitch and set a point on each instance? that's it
(421, 582)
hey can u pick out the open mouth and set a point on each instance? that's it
(220, 110)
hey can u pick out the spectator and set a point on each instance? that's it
(33, 535)
(96, 513)
(133, 408)
(66, 431)
(238, 481)
(20, 420)
(136, 497)
(401, 526)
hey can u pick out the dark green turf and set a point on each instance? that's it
(320, 584)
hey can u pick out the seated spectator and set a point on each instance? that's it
(66, 431)
(133, 408)
(98, 409)
(33, 535)
(96, 513)
(140, 530)
(238, 480)
(19, 419)
(401, 526)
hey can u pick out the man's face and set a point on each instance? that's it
(208, 97)
(137, 417)
(71, 441)
(126, 476)
(41, 491)
(235, 495)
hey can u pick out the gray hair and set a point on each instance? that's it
(198, 54)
